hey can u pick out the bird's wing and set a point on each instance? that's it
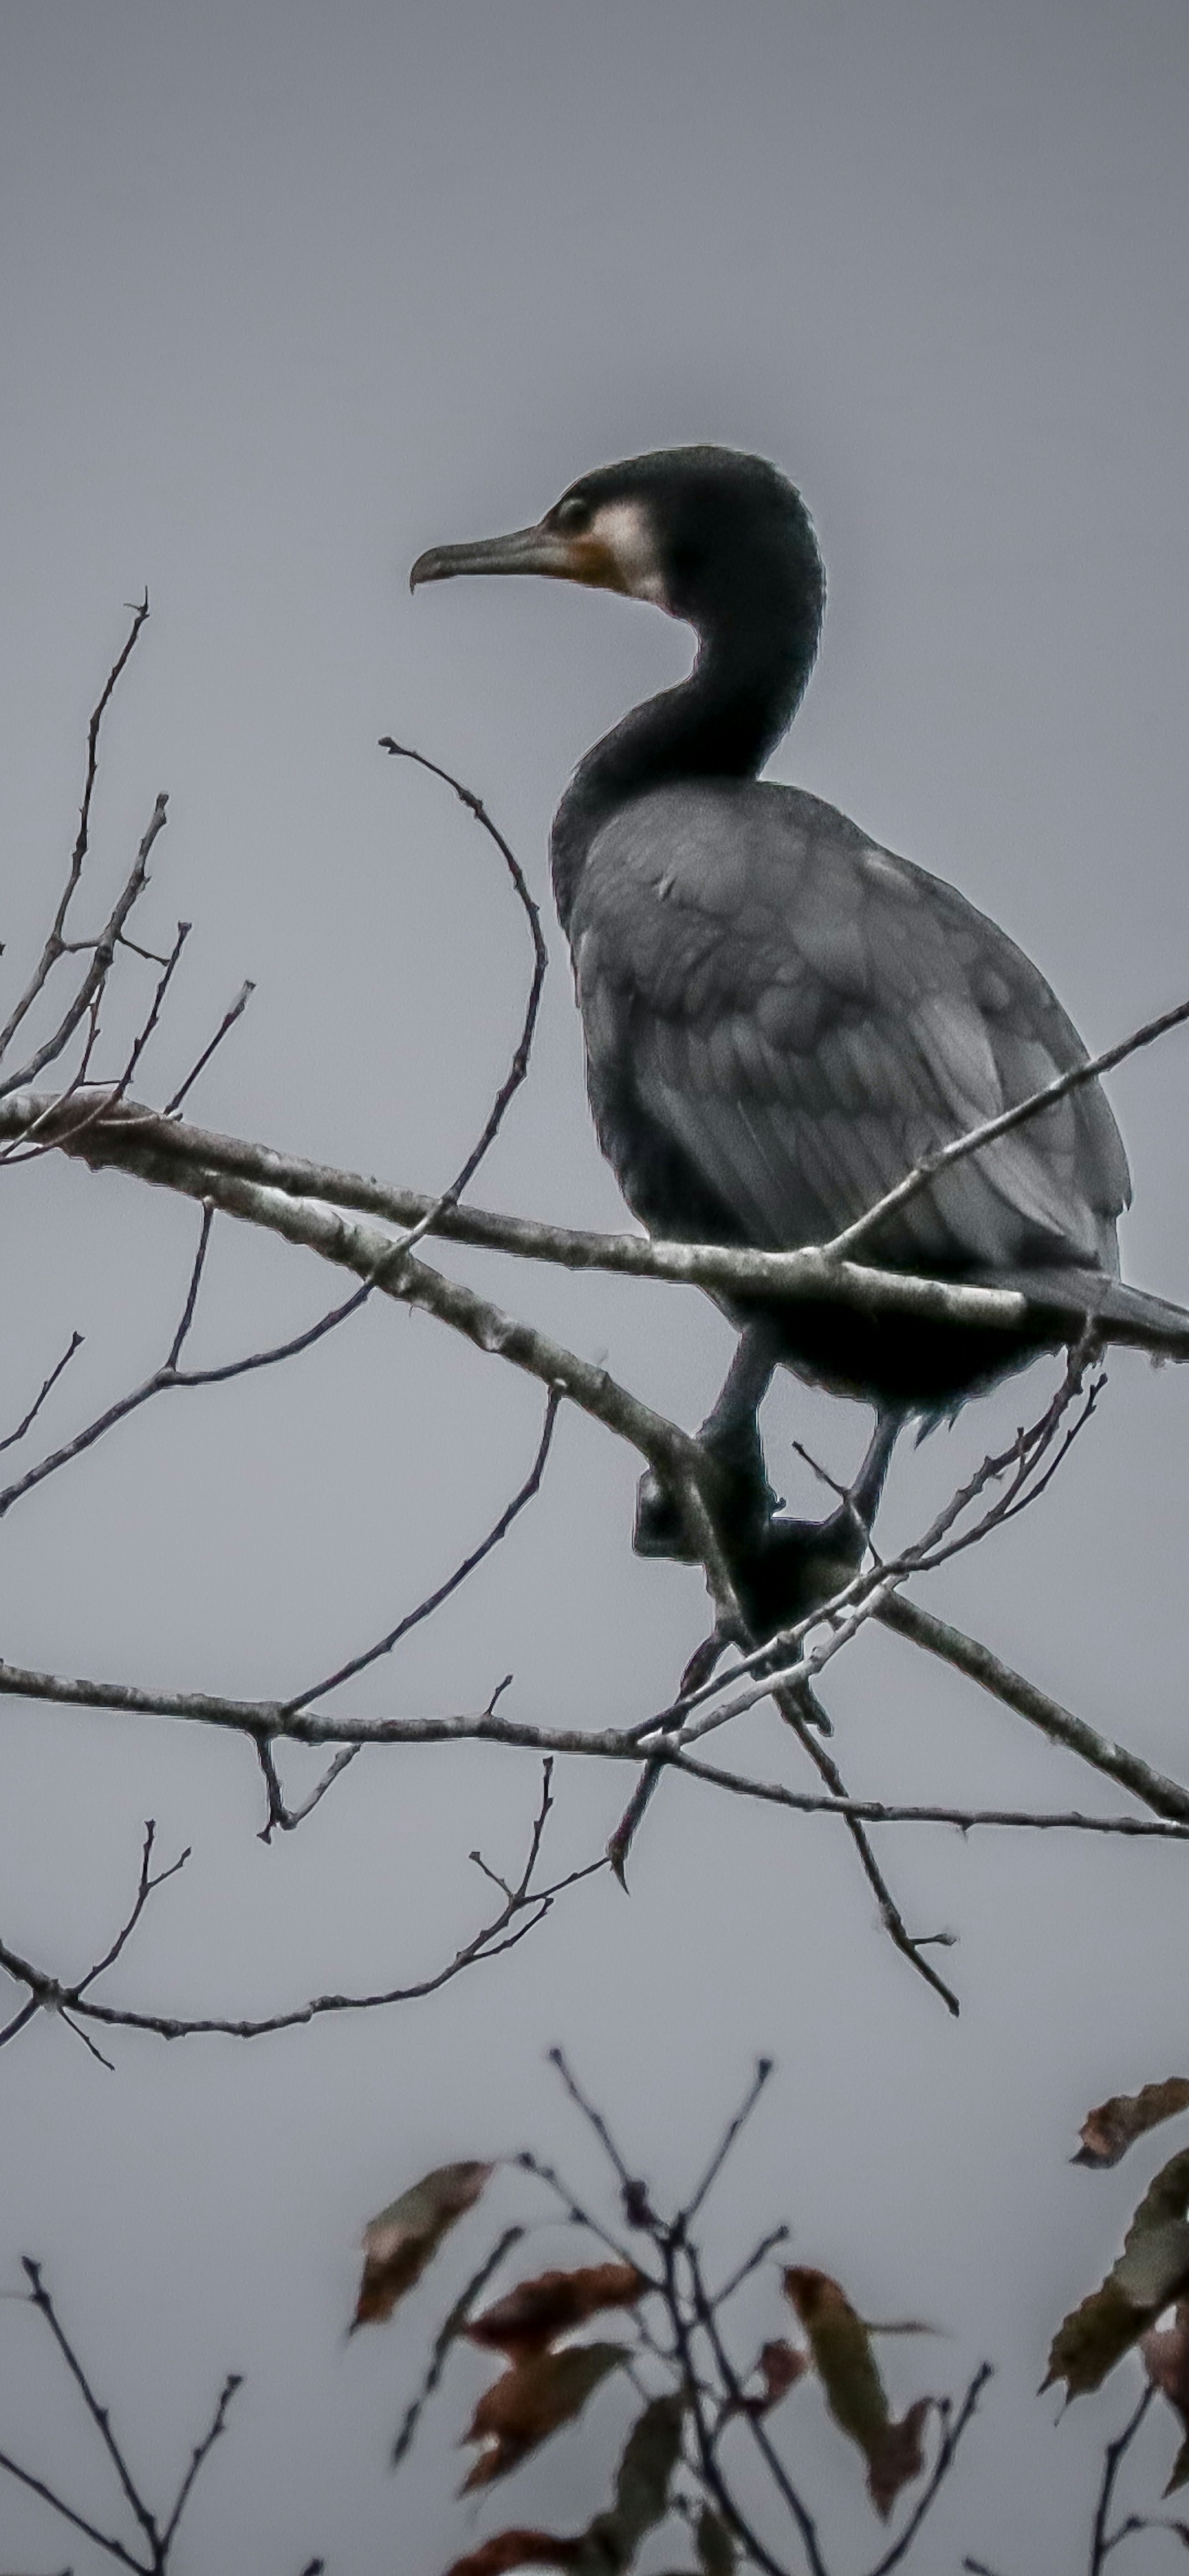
(781, 1019)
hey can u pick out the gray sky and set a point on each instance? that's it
(288, 294)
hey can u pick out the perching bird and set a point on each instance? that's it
(782, 1017)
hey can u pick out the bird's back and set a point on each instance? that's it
(781, 1018)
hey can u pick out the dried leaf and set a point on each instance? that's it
(1152, 2267)
(716, 2549)
(780, 2366)
(532, 2400)
(1115, 2125)
(841, 2348)
(508, 2549)
(535, 2313)
(900, 2457)
(398, 2244)
(641, 2499)
(1166, 2360)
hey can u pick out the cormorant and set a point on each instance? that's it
(782, 1017)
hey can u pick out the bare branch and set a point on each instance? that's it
(434, 1600)
(158, 2537)
(135, 1140)
(199, 2455)
(92, 982)
(227, 1023)
(738, 2121)
(26, 1424)
(55, 944)
(518, 1068)
(525, 1905)
(40, 2299)
(953, 2428)
(446, 2337)
(1102, 2539)
(1164, 1796)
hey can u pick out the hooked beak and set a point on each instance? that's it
(541, 549)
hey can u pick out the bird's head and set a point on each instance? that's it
(699, 531)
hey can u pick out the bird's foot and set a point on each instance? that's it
(659, 1526)
(743, 1507)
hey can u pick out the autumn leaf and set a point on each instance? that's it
(1166, 2360)
(398, 2244)
(845, 2364)
(532, 2400)
(900, 2456)
(510, 2549)
(780, 2366)
(535, 2313)
(1108, 2131)
(641, 2499)
(1152, 2267)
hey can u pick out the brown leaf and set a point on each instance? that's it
(1152, 2267)
(1166, 2360)
(845, 2364)
(532, 2400)
(780, 2366)
(508, 2549)
(1108, 2131)
(900, 2457)
(398, 2244)
(535, 2313)
(608, 2544)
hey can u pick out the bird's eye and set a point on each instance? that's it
(573, 512)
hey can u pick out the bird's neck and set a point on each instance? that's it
(720, 723)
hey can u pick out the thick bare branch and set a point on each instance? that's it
(139, 1141)
(1164, 1796)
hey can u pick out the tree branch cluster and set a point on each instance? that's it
(376, 1232)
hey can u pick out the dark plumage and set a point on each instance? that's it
(782, 1017)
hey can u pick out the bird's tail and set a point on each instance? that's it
(1122, 1314)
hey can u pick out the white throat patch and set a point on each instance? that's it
(623, 528)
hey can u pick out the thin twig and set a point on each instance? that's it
(26, 1424)
(518, 1069)
(444, 2341)
(199, 2455)
(738, 2121)
(95, 977)
(1102, 2540)
(40, 2298)
(226, 1024)
(953, 2428)
(525, 1905)
(55, 943)
(433, 1600)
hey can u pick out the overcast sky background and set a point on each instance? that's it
(290, 292)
